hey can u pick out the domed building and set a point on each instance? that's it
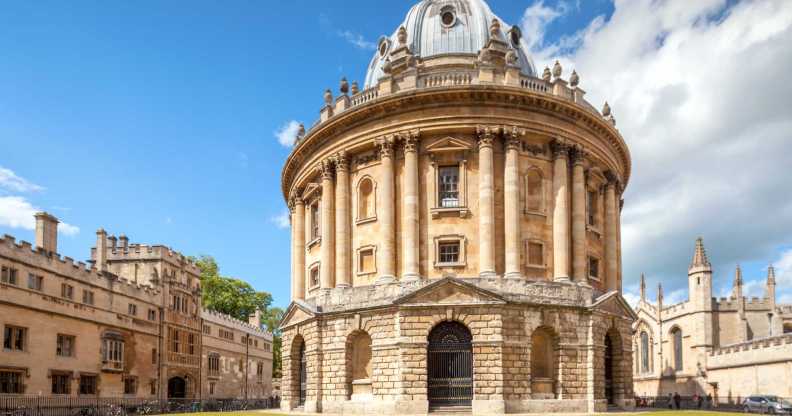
(455, 232)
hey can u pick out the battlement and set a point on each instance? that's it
(676, 308)
(229, 321)
(755, 344)
(65, 266)
(148, 252)
(750, 304)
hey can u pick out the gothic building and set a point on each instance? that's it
(729, 347)
(455, 233)
(129, 325)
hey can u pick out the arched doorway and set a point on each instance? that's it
(177, 388)
(450, 365)
(303, 375)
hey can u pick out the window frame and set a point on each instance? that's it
(88, 297)
(12, 381)
(35, 282)
(445, 153)
(94, 385)
(67, 291)
(441, 185)
(9, 275)
(595, 277)
(314, 268)
(69, 352)
(60, 382)
(372, 198)
(359, 265)
(541, 243)
(15, 338)
(130, 381)
(542, 209)
(446, 239)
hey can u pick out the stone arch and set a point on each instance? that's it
(615, 370)
(449, 363)
(534, 190)
(677, 348)
(296, 359)
(366, 191)
(544, 363)
(358, 365)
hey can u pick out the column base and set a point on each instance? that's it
(410, 277)
(562, 279)
(343, 285)
(384, 280)
(513, 275)
(488, 275)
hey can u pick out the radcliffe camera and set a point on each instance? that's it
(452, 207)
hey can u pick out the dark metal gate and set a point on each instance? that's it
(450, 365)
(609, 369)
(303, 375)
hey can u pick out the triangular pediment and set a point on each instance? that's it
(310, 189)
(450, 291)
(296, 312)
(614, 303)
(449, 144)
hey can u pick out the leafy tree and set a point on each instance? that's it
(271, 320)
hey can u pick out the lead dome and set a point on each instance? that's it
(438, 28)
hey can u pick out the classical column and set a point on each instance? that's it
(511, 202)
(611, 258)
(578, 217)
(386, 254)
(297, 207)
(343, 246)
(486, 196)
(410, 214)
(327, 266)
(561, 212)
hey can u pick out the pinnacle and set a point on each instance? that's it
(700, 255)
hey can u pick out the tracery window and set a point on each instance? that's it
(644, 352)
(676, 336)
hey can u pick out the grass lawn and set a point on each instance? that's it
(647, 412)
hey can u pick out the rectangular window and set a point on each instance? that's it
(132, 309)
(241, 364)
(14, 338)
(61, 383)
(113, 352)
(152, 315)
(591, 204)
(315, 218)
(366, 260)
(449, 252)
(8, 275)
(88, 297)
(448, 186)
(211, 387)
(65, 346)
(35, 282)
(259, 369)
(535, 254)
(593, 268)
(130, 385)
(153, 356)
(191, 344)
(207, 330)
(315, 277)
(67, 291)
(153, 387)
(214, 364)
(11, 382)
(174, 339)
(87, 384)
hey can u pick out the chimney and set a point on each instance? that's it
(46, 232)
(113, 242)
(123, 241)
(101, 249)
(255, 319)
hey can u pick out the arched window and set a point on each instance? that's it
(359, 364)
(644, 352)
(366, 199)
(676, 336)
(543, 364)
(534, 191)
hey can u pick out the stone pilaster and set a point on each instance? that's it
(297, 208)
(343, 246)
(327, 266)
(561, 213)
(611, 257)
(578, 217)
(410, 214)
(511, 202)
(486, 180)
(386, 254)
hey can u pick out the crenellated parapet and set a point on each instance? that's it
(219, 318)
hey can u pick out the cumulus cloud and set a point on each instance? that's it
(281, 220)
(12, 182)
(701, 92)
(357, 40)
(17, 212)
(287, 133)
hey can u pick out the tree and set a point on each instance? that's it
(271, 320)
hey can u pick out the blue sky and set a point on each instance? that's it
(159, 119)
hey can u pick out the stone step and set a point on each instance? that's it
(450, 410)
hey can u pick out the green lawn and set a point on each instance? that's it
(642, 413)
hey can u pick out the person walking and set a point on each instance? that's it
(678, 400)
(670, 401)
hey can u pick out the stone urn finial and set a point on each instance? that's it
(328, 96)
(387, 66)
(495, 29)
(606, 110)
(511, 57)
(557, 70)
(574, 79)
(355, 87)
(402, 36)
(546, 74)
(344, 87)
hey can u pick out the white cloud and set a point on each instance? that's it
(10, 181)
(287, 134)
(17, 212)
(701, 92)
(281, 220)
(357, 40)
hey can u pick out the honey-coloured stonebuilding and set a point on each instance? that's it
(455, 233)
(129, 325)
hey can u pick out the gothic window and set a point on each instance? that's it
(191, 344)
(366, 199)
(64, 346)
(534, 191)
(676, 336)
(113, 351)
(644, 352)
(448, 186)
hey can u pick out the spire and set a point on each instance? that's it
(700, 255)
(771, 275)
(643, 288)
(660, 295)
(738, 283)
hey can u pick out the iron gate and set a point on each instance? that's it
(303, 375)
(450, 365)
(609, 369)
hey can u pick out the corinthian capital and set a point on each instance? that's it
(341, 160)
(411, 139)
(612, 180)
(486, 135)
(513, 137)
(578, 155)
(325, 168)
(559, 149)
(385, 145)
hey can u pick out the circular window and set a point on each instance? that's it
(447, 16)
(383, 47)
